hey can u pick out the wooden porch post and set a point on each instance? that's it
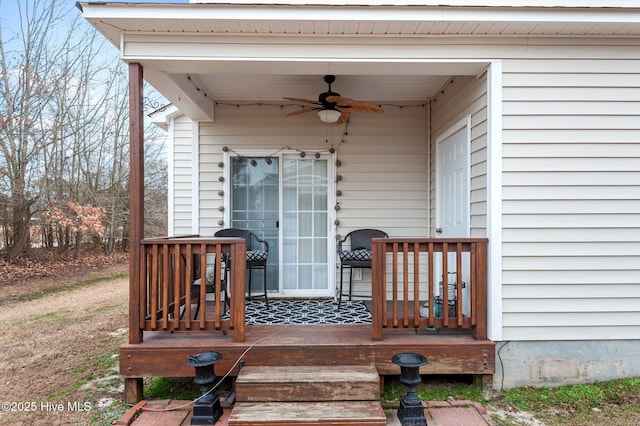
(377, 288)
(136, 198)
(480, 332)
(134, 386)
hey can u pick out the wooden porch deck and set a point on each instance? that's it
(164, 329)
(164, 353)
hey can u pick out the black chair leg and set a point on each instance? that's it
(266, 300)
(195, 316)
(340, 289)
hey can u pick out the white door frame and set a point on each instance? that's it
(464, 125)
(331, 216)
(331, 213)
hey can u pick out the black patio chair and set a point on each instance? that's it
(357, 256)
(257, 255)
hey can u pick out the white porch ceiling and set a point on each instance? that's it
(243, 79)
(379, 88)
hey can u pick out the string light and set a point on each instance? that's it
(282, 105)
(285, 105)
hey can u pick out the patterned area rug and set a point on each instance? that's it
(307, 312)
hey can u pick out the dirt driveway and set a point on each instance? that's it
(58, 356)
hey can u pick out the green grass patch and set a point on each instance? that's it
(457, 391)
(107, 360)
(109, 415)
(435, 388)
(579, 404)
(615, 403)
(68, 390)
(182, 388)
(574, 398)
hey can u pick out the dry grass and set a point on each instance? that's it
(59, 362)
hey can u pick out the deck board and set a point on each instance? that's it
(318, 413)
(308, 383)
(164, 353)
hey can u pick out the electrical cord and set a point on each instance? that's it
(214, 387)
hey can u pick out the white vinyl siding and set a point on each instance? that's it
(182, 176)
(571, 199)
(382, 172)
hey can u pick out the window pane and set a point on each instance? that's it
(305, 199)
(320, 250)
(320, 198)
(320, 225)
(290, 225)
(305, 251)
(306, 224)
(305, 277)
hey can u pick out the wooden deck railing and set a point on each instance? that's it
(408, 272)
(169, 267)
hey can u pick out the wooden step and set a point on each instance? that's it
(308, 383)
(335, 413)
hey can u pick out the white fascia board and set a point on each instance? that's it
(384, 13)
(163, 117)
(456, 3)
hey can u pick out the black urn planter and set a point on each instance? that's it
(410, 412)
(207, 409)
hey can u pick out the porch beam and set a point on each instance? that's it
(184, 92)
(136, 197)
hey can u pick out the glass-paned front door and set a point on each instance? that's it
(305, 226)
(255, 206)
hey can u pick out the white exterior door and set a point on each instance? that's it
(452, 195)
(306, 252)
(286, 200)
(452, 203)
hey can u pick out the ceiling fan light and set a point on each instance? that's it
(329, 115)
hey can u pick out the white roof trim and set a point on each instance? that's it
(356, 13)
(457, 3)
(114, 19)
(163, 116)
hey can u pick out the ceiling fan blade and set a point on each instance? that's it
(355, 106)
(344, 116)
(302, 111)
(304, 101)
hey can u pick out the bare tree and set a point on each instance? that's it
(64, 130)
(34, 63)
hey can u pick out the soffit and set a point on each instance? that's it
(381, 81)
(112, 19)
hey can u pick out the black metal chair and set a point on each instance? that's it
(357, 256)
(257, 255)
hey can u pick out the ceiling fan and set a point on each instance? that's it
(333, 108)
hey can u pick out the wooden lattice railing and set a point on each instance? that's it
(415, 284)
(170, 296)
